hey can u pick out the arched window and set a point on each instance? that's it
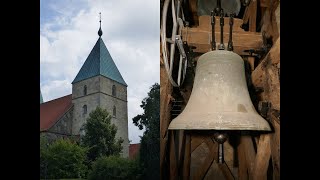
(84, 108)
(114, 90)
(85, 90)
(114, 111)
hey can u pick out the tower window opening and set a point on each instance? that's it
(85, 90)
(84, 109)
(114, 90)
(114, 111)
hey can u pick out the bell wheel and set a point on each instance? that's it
(175, 63)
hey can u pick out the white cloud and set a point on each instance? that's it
(131, 34)
(55, 89)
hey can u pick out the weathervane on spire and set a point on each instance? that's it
(100, 31)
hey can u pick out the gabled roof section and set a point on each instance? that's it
(52, 111)
(99, 62)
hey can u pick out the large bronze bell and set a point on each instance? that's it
(220, 99)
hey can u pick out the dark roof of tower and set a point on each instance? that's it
(52, 111)
(99, 62)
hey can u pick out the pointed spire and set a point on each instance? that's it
(100, 31)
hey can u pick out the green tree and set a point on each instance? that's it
(100, 135)
(114, 168)
(65, 159)
(150, 141)
(43, 155)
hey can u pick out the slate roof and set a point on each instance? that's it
(52, 111)
(99, 62)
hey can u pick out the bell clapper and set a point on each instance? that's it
(220, 138)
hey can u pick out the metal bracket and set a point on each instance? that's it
(245, 2)
(256, 52)
(221, 46)
(259, 89)
(180, 46)
(213, 22)
(264, 108)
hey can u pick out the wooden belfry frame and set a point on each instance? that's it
(258, 156)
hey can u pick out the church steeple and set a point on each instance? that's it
(99, 62)
(100, 31)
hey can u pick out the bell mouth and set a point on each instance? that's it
(219, 121)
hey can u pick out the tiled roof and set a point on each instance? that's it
(51, 111)
(99, 62)
(133, 150)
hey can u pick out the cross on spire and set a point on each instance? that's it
(100, 31)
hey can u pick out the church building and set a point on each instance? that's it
(98, 83)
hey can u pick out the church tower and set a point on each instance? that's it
(99, 83)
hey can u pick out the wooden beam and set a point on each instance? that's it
(251, 62)
(275, 52)
(245, 17)
(181, 148)
(250, 153)
(262, 158)
(269, 21)
(264, 3)
(200, 36)
(163, 148)
(196, 141)
(205, 24)
(193, 8)
(273, 89)
(203, 169)
(241, 40)
(165, 98)
(275, 148)
(173, 158)
(266, 75)
(277, 14)
(253, 16)
(226, 171)
(242, 167)
(273, 57)
(187, 158)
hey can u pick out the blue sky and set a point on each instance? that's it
(68, 32)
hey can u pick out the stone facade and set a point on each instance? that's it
(63, 127)
(119, 101)
(91, 100)
(99, 93)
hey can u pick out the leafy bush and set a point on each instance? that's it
(64, 159)
(43, 155)
(115, 168)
